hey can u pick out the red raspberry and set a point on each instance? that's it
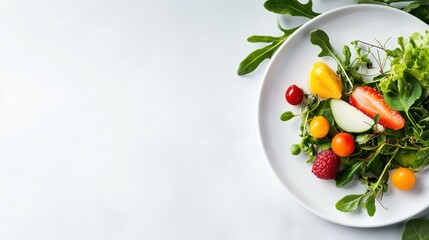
(326, 165)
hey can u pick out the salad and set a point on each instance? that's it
(368, 120)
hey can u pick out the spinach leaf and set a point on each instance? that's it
(409, 90)
(291, 7)
(370, 205)
(349, 203)
(416, 229)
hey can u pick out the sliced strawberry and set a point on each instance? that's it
(370, 102)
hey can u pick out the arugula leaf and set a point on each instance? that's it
(291, 7)
(285, 7)
(320, 38)
(416, 229)
(349, 203)
(252, 61)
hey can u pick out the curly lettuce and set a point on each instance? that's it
(411, 56)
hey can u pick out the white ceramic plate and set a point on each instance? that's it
(291, 65)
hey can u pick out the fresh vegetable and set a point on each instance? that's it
(372, 103)
(412, 56)
(294, 95)
(326, 165)
(343, 144)
(350, 119)
(324, 82)
(416, 229)
(319, 127)
(403, 178)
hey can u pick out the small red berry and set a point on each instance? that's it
(294, 95)
(326, 165)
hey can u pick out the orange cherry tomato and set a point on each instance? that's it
(403, 179)
(343, 144)
(319, 127)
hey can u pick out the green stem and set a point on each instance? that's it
(411, 120)
(385, 170)
(409, 147)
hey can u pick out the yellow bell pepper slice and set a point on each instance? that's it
(324, 82)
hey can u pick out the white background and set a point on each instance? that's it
(127, 120)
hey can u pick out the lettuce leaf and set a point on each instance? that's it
(413, 57)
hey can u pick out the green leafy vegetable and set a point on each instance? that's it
(349, 203)
(286, 116)
(291, 7)
(320, 38)
(346, 175)
(421, 11)
(408, 91)
(370, 205)
(285, 7)
(421, 161)
(252, 61)
(412, 57)
(416, 229)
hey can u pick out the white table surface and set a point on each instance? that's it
(127, 120)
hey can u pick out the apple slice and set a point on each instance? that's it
(350, 119)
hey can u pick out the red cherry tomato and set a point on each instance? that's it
(294, 95)
(343, 144)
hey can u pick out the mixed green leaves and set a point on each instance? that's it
(418, 8)
(376, 152)
(379, 152)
